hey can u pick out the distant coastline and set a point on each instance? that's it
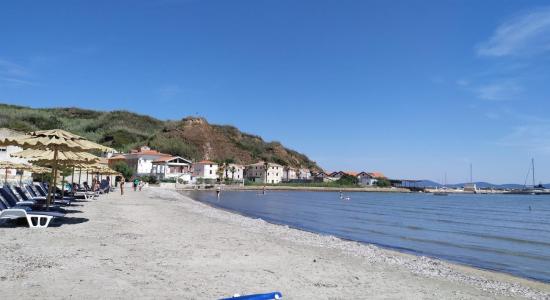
(298, 188)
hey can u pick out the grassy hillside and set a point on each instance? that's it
(194, 138)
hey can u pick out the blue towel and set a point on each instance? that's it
(268, 296)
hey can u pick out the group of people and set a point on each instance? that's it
(137, 183)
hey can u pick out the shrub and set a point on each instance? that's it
(347, 180)
(383, 182)
(124, 169)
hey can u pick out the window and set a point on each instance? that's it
(3, 149)
(210, 171)
(210, 166)
(277, 174)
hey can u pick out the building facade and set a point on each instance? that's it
(170, 167)
(262, 173)
(206, 170)
(139, 160)
(234, 172)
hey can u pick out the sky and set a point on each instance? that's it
(414, 89)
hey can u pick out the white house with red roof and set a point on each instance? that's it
(205, 169)
(140, 160)
(171, 167)
(369, 178)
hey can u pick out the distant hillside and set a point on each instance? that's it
(191, 137)
(479, 184)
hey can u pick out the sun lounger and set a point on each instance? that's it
(12, 201)
(31, 195)
(268, 296)
(8, 195)
(43, 191)
(35, 219)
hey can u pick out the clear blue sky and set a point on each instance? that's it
(410, 88)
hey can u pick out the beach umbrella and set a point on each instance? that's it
(6, 165)
(57, 145)
(40, 170)
(64, 159)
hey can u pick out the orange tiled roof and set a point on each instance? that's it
(377, 175)
(164, 158)
(206, 162)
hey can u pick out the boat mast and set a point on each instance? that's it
(471, 176)
(533, 166)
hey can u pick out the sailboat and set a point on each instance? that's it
(443, 191)
(534, 189)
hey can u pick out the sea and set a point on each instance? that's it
(505, 233)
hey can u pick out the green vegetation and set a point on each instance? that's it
(151, 179)
(124, 169)
(191, 138)
(383, 182)
(174, 146)
(347, 180)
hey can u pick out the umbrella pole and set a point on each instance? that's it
(62, 185)
(72, 182)
(79, 174)
(6, 178)
(54, 173)
(21, 178)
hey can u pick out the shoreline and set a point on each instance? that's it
(160, 244)
(499, 283)
(300, 188)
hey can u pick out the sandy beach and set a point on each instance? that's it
(159, 244)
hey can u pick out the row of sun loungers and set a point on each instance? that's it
(29, 202)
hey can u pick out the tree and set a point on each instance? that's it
(220, 172)
(266, 168)
(233, 170)
(383, 182)
(347, 180)
(124, 169)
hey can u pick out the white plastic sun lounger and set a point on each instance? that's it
(35, 219)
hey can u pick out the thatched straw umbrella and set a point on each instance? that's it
(57, 144)
(6, 165)
(64, 159)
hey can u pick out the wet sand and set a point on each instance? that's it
(159, 244)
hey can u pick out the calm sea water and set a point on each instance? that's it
(508, 233)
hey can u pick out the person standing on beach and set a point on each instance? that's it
(218, 192)
(122, 186)
(136, 181)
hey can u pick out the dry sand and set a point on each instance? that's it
(159, 244)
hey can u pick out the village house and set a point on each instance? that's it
(369, 178)
(322, 177)
(304, 174)
(300, 174)
(205, 169)
(257, 172)
(234, 172)
(170, 167)
(139, 160)
(289, 174)
(338, 174)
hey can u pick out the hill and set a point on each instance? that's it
(479, 184)
(190, 137)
